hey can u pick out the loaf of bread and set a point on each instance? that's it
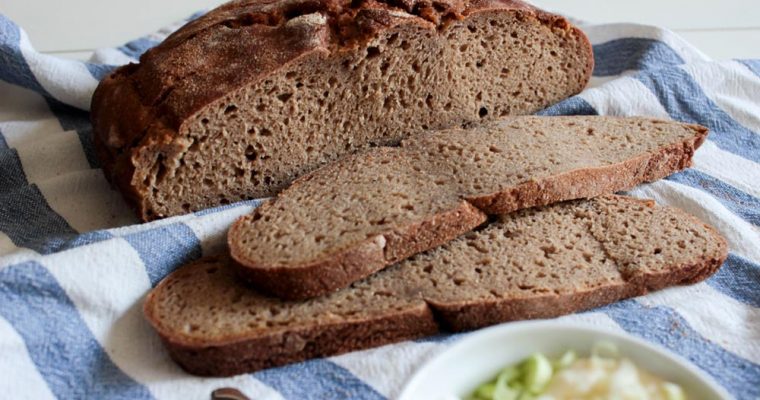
(241, 101)
(349, 219)
(570, 256)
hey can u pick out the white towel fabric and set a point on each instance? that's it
(75, 265)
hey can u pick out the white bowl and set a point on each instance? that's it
(477, 358)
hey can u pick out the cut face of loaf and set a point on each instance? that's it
(534, 263)
(354, 217)
(240, 102)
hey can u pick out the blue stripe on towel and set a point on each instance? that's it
(14, 68)
(165, 249)
(739, 202)
(3, 143)
(137, 47)
(99, 71)
(30, 222)
(66, 354)
(684, 100)
(667, 328)
(253, 203)
(753, 65)
(620, 55)
(85, 239)
(738, 278)
(74, 119)
(11, 172)
(316, 380)
(25, 216)
(572, 106)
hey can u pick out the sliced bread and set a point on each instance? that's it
(241, 101)
(534, 263)
(349, 219)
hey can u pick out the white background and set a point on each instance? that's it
(73, 28)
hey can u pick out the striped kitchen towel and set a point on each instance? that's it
(75, 265)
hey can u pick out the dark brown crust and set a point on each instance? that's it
(338, 270)
(588, 183)
(235, 355)
(463, 317)
(140, 109)
(275, 350)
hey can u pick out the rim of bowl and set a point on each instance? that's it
(516, 327)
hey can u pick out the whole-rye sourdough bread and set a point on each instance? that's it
(241, 101)
(534, 263)
(351, 218)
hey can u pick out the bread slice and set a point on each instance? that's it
(354, 217)
(535, 263)
(241, 101)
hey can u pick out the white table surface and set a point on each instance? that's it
(73, 28)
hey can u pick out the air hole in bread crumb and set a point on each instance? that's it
(161, 172)
(250, 153)
(514, 35)
(657, 250)
(204, 121)
(265, 132)
(404, 45)
(284, 97)
(483, 112)
(384, 67)
(230, 109)
(372, 52)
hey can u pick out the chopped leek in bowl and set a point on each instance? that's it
(602, 375)
(541, 360)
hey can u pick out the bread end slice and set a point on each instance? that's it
(597, 252)
(213, 325)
